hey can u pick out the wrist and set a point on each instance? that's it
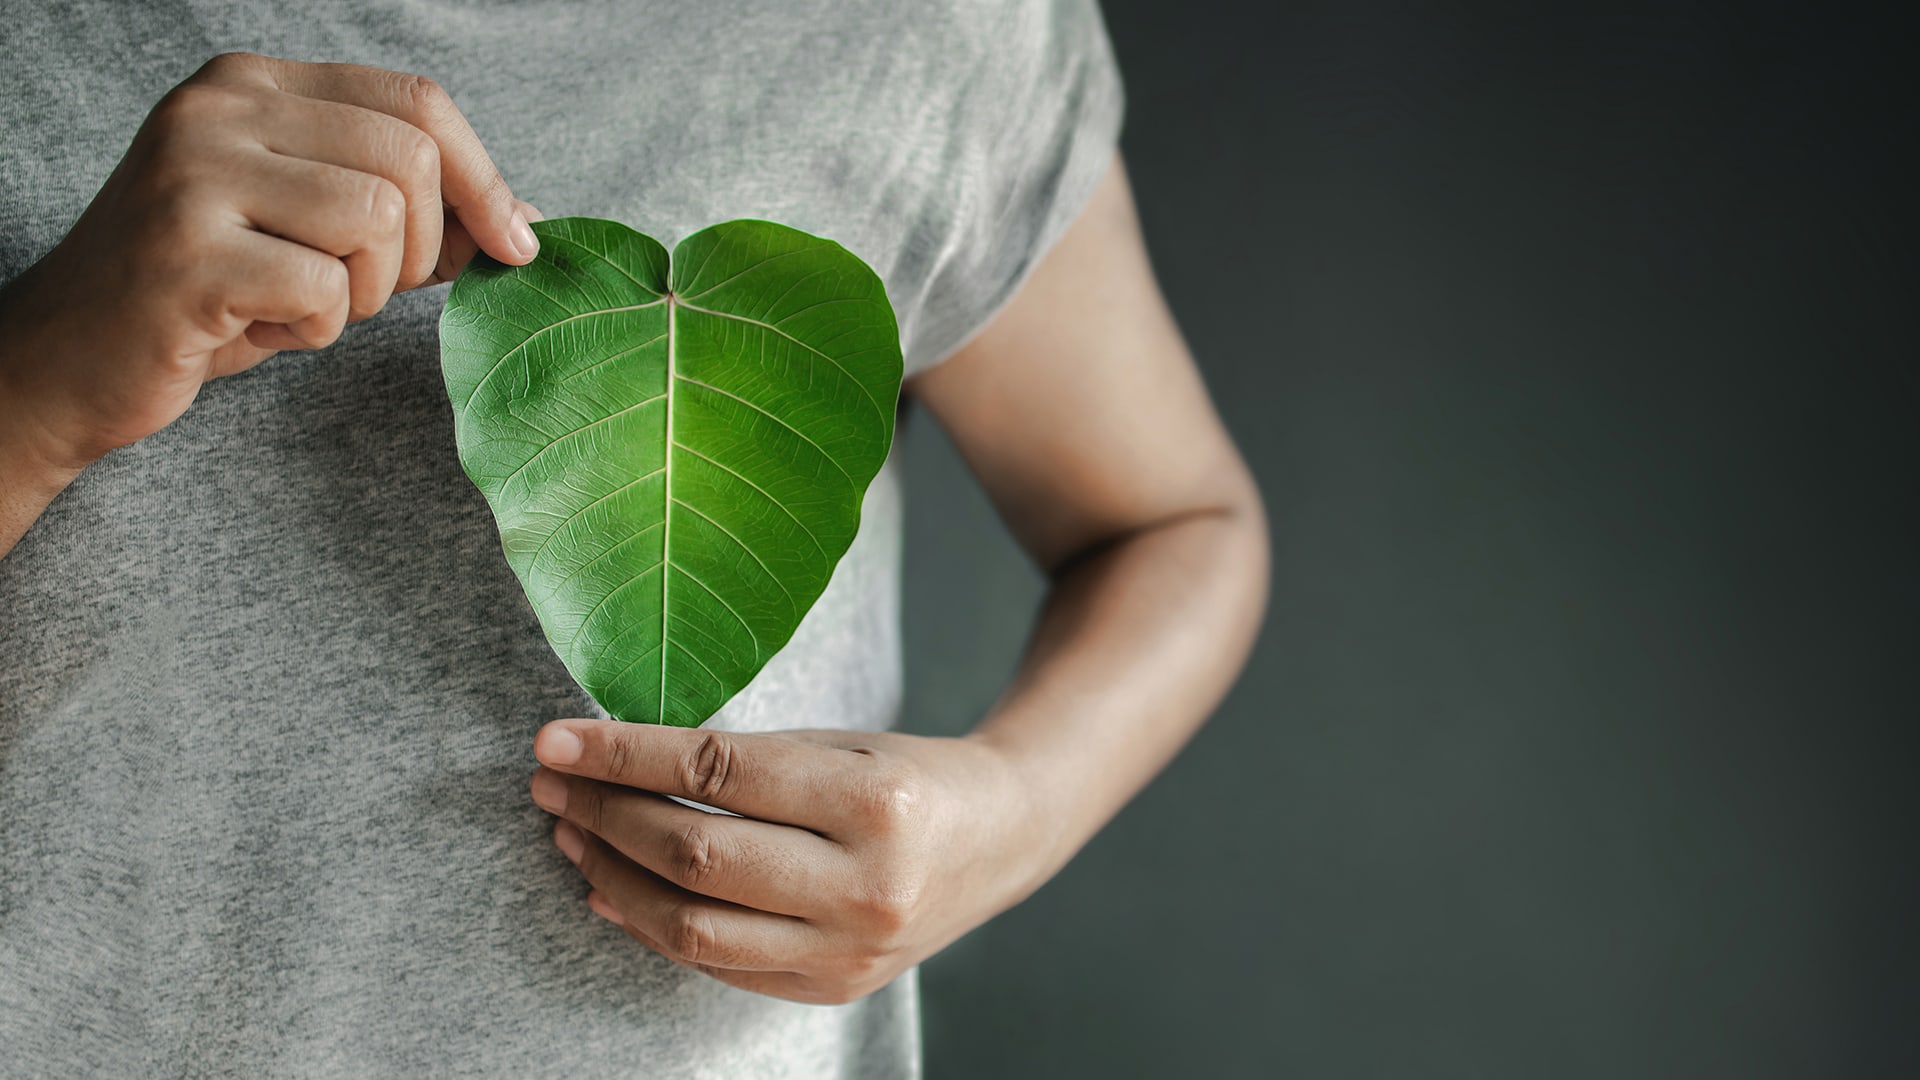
(35, 439)
(31, 475)
(1047, 804)
(34, 463)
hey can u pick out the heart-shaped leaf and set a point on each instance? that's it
(675, 446)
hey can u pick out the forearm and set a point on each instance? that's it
(1134, 648)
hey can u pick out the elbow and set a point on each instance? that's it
(1222, 534)
(1245, 548)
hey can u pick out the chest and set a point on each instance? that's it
(667, 116)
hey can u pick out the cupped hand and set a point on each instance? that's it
(263, 204)
(855, 855)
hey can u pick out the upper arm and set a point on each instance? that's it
(1079, 407)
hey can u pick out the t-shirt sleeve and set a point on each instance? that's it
(1039, 129)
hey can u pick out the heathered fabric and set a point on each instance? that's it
(267, 686)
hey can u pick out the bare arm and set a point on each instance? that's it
(1082, 414)
(858, 854)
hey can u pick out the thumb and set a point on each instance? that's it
(457, 246)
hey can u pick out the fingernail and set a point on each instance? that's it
(530, 211)
(603, 909)
(527, 244)
(560, 747)
(568, 839)
(550, 792)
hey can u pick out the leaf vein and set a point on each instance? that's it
(824, 303)
(543, 450)
(750, 269)
(651, 291)
(775, 578)
(744, 625)
(550, 326)
(801, 434)
(763, 492)
(611, 359)
(571, 518)
(611, 593)
(824, 356)
(582, 568)
(634, 663)
(695, 657)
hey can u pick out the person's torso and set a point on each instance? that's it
(267, 686)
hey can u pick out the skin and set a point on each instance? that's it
(263, 204)
(859, 854)
(854, 855)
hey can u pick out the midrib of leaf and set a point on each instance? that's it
(666, 508)
(735, 531)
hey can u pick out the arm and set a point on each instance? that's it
(858, 854)
(1080, 410)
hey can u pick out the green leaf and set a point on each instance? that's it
(675, 447)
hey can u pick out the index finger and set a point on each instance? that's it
(818, 788)
(470, 183)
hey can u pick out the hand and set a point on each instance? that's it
(858, 854)
(263, 204)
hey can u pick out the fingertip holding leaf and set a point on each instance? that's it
(675, 447)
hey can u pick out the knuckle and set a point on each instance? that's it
(587, 804)
(864, 966)
(190, 107)
(330, 281)
(227, 64)
(427, 99)
(419, 156)
(386, 207)
(888, 904)
(707, 772)
(493, 188)
(320, 285)
(620, 757)
(417, 268)
(891, 800)
(690, 934)
(694, 856)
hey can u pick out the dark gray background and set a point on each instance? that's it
(1575, 359)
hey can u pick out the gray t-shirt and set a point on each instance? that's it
(267, 686)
